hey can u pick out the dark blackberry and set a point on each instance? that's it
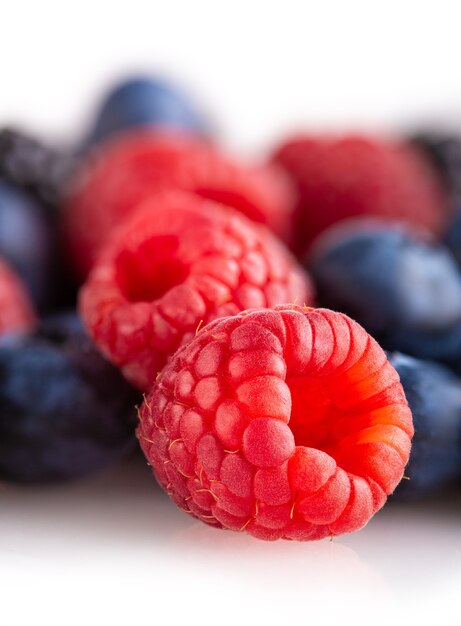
(444, 151)
(28, 163)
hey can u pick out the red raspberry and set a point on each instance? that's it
(180, 261)
(16, 312)
(128, 168)
(351, 176)
(285, 423)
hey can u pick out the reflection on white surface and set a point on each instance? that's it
(118, 542)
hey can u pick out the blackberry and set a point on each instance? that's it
(444, 151)
(28, 163)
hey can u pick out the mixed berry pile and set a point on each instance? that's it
(281, 338)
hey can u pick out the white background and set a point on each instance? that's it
(113, 550)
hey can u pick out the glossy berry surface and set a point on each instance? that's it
(287, 423)
(341, 178)
(181, 261)
(128, 169)
(434, 396)
(144, 101)
(404, 291)
(26, 241)
(65, 412)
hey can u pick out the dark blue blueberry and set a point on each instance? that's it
(26, 240)
(434, 395)
(453, 236)
(65, 412)
(404, 291)
(145, 101)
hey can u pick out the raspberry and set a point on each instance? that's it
(351, 176)
(16, 312)
(307, 433)
(128, 168)
(178, 262)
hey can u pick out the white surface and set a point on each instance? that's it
(260, 67)
(114, 547)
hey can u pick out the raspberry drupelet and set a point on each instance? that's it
(286, 423)
(127, 169)
(179, 262)
(16, 310)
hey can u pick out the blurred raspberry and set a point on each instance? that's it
(127, 169)
(178, 262)
(339, 178)
(16, 311)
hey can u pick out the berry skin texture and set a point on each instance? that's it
(179, 262)
(144, 101)
(434, 395)
(128, 169)
(16, 310)
(341, 178)
(286, 423)
(405, 291)
(65, 412)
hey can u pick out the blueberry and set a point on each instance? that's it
(40, 169)
(145, 101)
(403, 290)
(26, 240)
(453, 237)
(65, 412)
(444, 151)
(434, 395)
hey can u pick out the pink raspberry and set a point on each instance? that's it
(343, 177)
(127, 169)
(181, 261)
(288, 423)
(16, 311)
